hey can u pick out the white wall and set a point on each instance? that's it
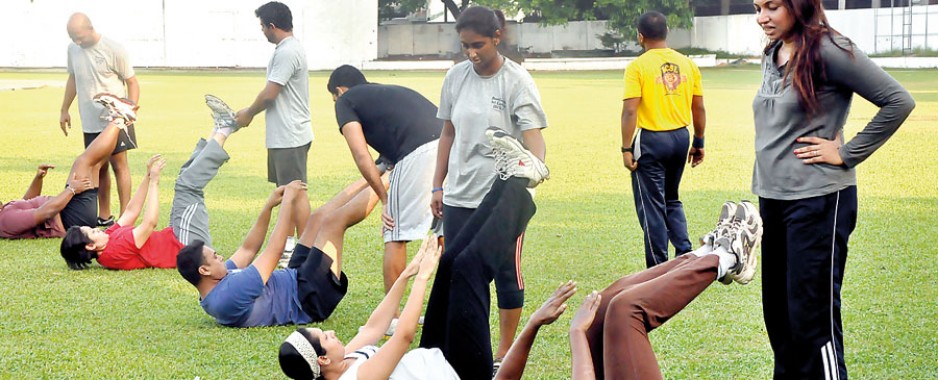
(873, 30)
(188, 33)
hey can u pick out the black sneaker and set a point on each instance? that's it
(106, 222)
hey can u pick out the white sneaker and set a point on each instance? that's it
(288, 248)
(745, 236)
(727, 212)
(117, 108)
(513, 160)
(223, 115)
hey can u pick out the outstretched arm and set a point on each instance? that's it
(517, 357)
(130, 214)
(54, 206)
(384, 362)
(267, 261)
(152, 215)
(582, 357)
(355, 137)
(35, 187)
(255, 238)
(263, 100)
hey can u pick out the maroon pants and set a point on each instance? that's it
(636, 304)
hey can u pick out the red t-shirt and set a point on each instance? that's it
(17, 222)
(121, 252)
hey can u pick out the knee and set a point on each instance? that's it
(626, 306)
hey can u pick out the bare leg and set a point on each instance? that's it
(508, 320)
(395, 260)
(315, 220)
(332, 230)
(121, 168)
(88, 164)
(104, 191)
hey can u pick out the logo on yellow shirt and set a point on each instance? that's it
(671, 77)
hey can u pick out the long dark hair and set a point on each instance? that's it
(805, 67)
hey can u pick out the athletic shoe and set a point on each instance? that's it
(106, 222)
(117, 108)
(223, 115)
(723, 223)
(384, 165)
(513, 160)
(744, 238)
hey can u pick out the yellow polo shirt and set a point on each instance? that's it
(666, 81)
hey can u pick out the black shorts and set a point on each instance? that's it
(285, 165)
(82, 210)
(125, 140)
(318, 288)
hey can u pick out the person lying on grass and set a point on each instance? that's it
(310, 353)
(247, 291)
(37, 216)
(126, 246)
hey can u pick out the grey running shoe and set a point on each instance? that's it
(723, 223)
(223, 115)
(117, 108)
(513, 160)
(745, 236)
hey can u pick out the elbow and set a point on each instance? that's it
(908, 104)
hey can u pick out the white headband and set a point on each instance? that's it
(306, 350)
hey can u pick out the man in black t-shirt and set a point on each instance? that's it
(401, 125)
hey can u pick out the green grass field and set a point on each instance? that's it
(57, 323)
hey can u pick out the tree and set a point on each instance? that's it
(389, 9)
(621, 14)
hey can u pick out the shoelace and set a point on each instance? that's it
(501, 163)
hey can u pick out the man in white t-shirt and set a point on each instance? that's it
(97, 64)
(285, 98)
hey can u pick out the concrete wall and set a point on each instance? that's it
(180, 33)
(873, 30)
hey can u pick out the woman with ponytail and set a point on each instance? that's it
(805, 177)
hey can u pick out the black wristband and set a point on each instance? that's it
(626, 150)
(698, 142)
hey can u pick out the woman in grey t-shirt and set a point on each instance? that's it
(485, 91)
(805, 178)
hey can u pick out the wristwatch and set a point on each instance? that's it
(624, 150)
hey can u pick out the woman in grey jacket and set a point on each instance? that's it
(805, 177)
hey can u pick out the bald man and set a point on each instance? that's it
(97, 64)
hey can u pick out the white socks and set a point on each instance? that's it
(727, 259)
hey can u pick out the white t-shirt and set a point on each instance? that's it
(288, 120)
(100, 68)
(508, 100)
(416, 364)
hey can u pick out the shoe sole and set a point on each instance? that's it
(113, 103)
(219, 107)
(749, 268)
(509, 141)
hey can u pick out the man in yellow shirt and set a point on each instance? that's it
(663, 95)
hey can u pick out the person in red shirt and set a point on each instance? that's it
(126, 246)
(38, 216)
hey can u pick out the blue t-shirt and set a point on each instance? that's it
(242, 300)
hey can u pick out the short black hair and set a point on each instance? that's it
(188, 261)
(292, 362)
(73, 249)
(276, 13)
(344, 76)
(482, 20)
(653, 25)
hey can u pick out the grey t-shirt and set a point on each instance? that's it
(780, 120)
(288, 121)
(507, 100)
(100, 68)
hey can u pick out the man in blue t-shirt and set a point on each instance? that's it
(401, 125)
(239, 293)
